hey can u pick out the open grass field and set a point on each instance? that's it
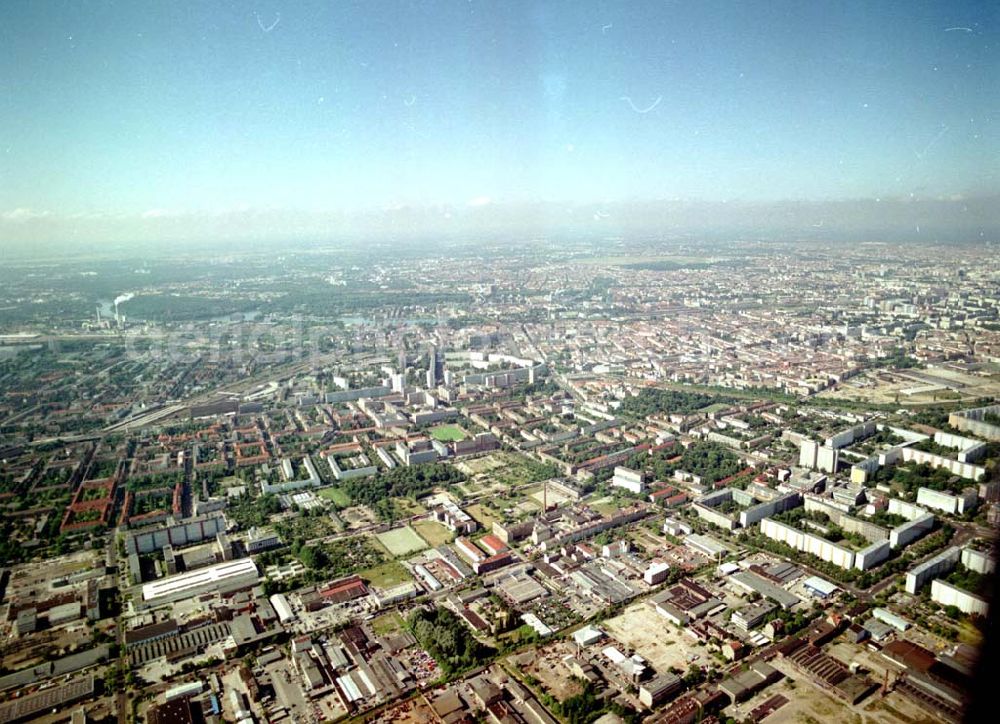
(448, 433)
(401, 541)
(474, 466)
(386, 575)
(605, 506)
(408, 506)
(484, 516)
(433, 532)
(336, 496)
(387, 623)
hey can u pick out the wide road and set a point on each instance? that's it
(121, 700)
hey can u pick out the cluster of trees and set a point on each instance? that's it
(209, 478)
(469, 320)
(447, 639)
(877, 441)
(793, 516)
(655, 465)
(971, 581)
(103, 468)
(910, 477)
(710, 461)
(155, 480)
(11, 550)
(933, 416)
(945, 632)
(545, 388)
(338, 558)
(695, 676)
(795, 622)
(656, 401)
(887, 519)
(401, 482)
(932, 542)
(934, 448)
(116, 678)
(535, 471)
(248, 511)
(312, 557)
(167, 307)
(903, 562)
(861, 579)
(834, 533)
(728, 507)
(841, 575)
(153, 501)
(285, 585)
(898, 360)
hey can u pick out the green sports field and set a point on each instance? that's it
(401, 541)
(448, 433)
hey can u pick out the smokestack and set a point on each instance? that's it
(118, 300)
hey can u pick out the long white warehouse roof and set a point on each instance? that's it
(216, 574)
(281, 607)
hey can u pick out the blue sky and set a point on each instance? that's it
(125, 110)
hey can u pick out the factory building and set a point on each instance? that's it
(282, 608)
(220, 578)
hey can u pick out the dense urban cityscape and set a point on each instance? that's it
(541, 483)
(522, 362)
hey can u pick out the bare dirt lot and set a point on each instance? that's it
(547, 666)
(358, 517)
(888, 387)
(663, 645)
(412, 711)
(807, 703)
(553, 496)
